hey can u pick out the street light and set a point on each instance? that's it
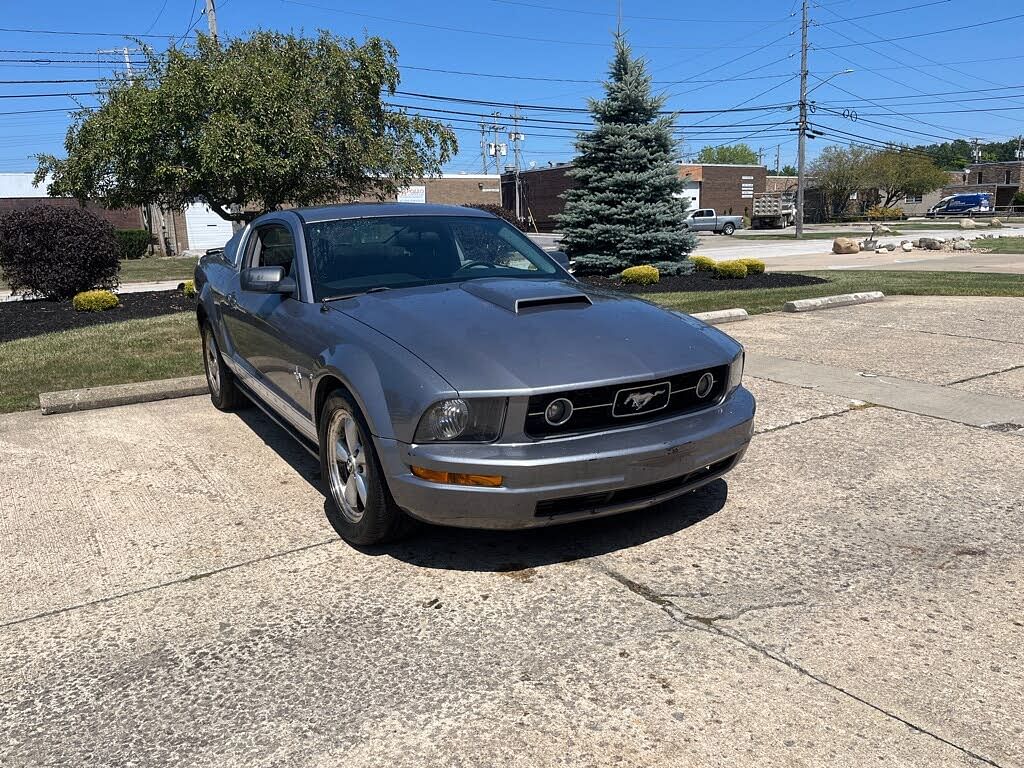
(802, 140)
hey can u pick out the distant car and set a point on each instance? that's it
(443, 366)
(962, 205)
(706, 220)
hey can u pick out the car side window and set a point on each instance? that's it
(272, 246)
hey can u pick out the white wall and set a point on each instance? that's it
(20, 185)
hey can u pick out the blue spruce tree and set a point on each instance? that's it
(621, 211)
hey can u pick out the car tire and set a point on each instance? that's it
(359, 504)
(729, 228)
(224, 392)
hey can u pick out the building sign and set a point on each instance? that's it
(416, 194)
(747, 189)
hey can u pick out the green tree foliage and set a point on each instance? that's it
(900, 172)
(957, 155)
(259, 122)
(839, 172)
(621, 211)
(788, 170)
(733, 154)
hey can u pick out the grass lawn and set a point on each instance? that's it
(849, 281)
(151, 270)
(1002, 245)
(134, 350)
(168, 346)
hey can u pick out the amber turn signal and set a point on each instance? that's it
(457, 478)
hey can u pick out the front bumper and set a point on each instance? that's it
(666, 458)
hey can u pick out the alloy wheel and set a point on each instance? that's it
(212, 362)
(347, 465)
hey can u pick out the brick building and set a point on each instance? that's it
(727, 188)
(1000, 180)
(18, 193)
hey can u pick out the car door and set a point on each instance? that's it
(703, 220)
(267, 328)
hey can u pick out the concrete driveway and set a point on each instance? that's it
(172, 594)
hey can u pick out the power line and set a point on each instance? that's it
(924, 34)
(882, 13)
(690, 20)
(484, 33)
(76, 33)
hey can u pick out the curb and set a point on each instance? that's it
(722, 316)
(89, 398)
(824, 302)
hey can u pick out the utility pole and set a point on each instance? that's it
(1020, 148)
(483, 146)
(211, 19)
(977, 149)
(802, 127)
(517, 158)
(778, 158)
(127, 61)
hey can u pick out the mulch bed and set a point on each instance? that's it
(21, 319)
(700, 281)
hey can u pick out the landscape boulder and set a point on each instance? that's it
(962, 245)
(968, 224)
(907, 246)
(931, 243)
(996, 222)
(845, 245)
(890, 247)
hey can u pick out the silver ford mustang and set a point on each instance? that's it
(442, 366)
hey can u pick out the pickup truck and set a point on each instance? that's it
(706, 220)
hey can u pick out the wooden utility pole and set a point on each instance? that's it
(211, 19)
(802, 127)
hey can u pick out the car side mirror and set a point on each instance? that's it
(267, 280)
(561, 258)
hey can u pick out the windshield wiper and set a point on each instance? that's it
(377, 289)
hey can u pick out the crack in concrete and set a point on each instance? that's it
(850, 409)
(708, 624)
(985, 375)
(152, 587)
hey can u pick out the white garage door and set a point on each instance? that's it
(205, 228)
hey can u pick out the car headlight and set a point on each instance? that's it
(470, 420)
(736, 372)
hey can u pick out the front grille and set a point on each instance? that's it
(621, 405)
(595, 502)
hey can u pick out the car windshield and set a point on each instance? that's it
(351, 256)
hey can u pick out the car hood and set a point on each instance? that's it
(509, 335)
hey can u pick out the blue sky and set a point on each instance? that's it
(916, 87)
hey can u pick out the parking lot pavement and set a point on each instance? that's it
(173, 596)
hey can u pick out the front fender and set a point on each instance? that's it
(391, 386)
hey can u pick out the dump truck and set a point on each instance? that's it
(773, 210)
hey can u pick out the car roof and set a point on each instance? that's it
(370, 210)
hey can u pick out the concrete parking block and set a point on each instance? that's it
(120, 394)
(722, 316)
(827, 302)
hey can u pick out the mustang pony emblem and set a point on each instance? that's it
(638, 400)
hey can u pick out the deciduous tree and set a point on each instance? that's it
(257, 123)
(731, 154)
(839, 172)
(900, 172)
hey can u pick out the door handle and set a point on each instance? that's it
(231, 301)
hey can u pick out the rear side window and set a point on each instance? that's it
(272, 246)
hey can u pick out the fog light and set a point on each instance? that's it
(558, 412)
(457, 478)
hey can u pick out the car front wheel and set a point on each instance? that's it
(360, 506)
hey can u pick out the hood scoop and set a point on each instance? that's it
(522, 296)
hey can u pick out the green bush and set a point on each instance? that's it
(55, 251)
(754, 266)
(94, 301)
(703, 263)
(642, 275)
(188, 288)
(595, 264)
(884, 214)
(673, 268)
(730, 270)
(132, 243)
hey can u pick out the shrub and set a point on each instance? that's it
(132, 243)
(754, 266)
(595, 264)
(94, 301)
(673, 268)
(188, 288)
(730, 270)
(500, 211)
(703, 263)
(885, 214)
(56, 252)
(643, 275)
